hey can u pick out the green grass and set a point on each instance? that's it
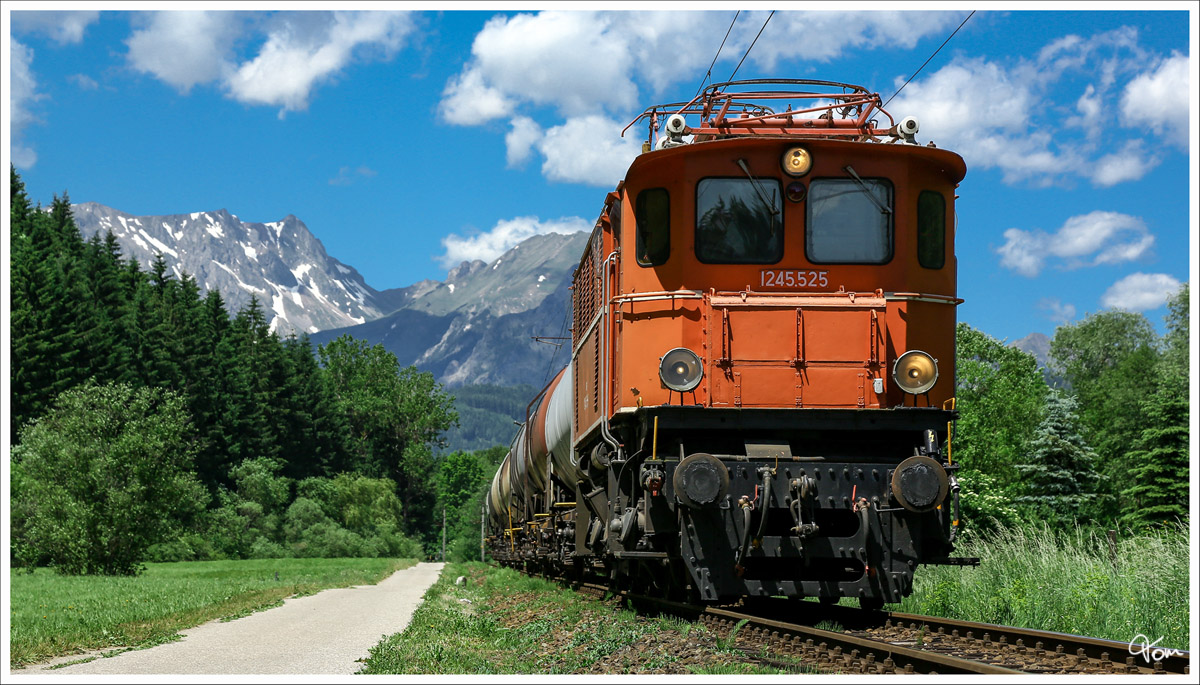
(53, 615)
(502, 622)
(1067, 582)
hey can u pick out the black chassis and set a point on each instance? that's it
(864, 544)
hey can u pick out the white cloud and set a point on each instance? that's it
(822, 36)
(585, 62)
(1056, 310)
(519, 141)
(983, 112)
(300, 50)
(22, 91)
(506, 234)
(588, 150)
(1159, 99)
(303, 51)
(1090, 239)
(572, 60)
(61, 26)
(468, 101)
(1128, 164)
(84, 81)
(1005, 116)
(1140, 292)
(184, 48)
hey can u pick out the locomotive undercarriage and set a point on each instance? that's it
(799, 503)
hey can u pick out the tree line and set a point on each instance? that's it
(1103, 442)
(137, 400)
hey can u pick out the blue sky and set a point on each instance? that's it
(410, 141)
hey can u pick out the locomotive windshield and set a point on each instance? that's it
(738, 223)
(847, 221)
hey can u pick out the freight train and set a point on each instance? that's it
(759, 398)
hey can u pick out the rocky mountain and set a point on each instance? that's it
(477, 327)
(1035, 344)
(281, 263)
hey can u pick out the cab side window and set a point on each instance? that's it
(653, 210)
(931, 229)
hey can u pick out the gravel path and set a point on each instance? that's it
(325, 633)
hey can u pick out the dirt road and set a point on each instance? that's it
(325, 633)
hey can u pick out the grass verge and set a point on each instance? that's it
(501, 622)
(53, 615)
(1067, 582)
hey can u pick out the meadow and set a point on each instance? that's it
(54, 615)
(1070, 582)
(499, 621)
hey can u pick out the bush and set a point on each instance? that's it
(310, 532)
(101, 477)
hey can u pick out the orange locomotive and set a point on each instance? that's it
(762, 365)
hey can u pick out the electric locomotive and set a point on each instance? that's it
(760, 393)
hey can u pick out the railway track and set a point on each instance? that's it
(872, 642)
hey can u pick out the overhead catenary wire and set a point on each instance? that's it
(714, 59)
(550, 367)
(935, 52)
(739, 66)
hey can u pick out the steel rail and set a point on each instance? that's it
(1099, 650)
(1047, 650)
(857, 650)
(862, 654)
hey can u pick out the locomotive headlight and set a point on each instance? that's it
(796, 162)
(680, 369)
(915, 372)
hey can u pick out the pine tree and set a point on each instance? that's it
(1158, 486)
(52, 321)
(110, 341)
(1060, 478)
(315, 435)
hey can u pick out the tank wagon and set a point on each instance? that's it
(760, 391)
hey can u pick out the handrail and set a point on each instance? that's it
(758, 117)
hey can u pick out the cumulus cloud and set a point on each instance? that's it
(572, 60)
(984, 112)
(184, 48)
(468, 101)
(300, 50)
(1139, 292)
(584, 62)
(519, 141)
(506, 234)
(1087, 240)
(995, 114)
(22, 92)
(822, 36)
(588, 150)
(60, 25)
(1056, 310)
(301, 53)
(1159, 99)
(1130, 163)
